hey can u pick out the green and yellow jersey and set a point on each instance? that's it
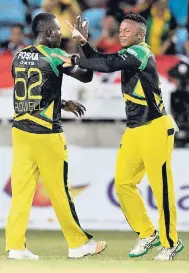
(37, 90)
(140, 81)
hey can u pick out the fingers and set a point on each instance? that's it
(56, 55)
(75, 113)
(82, 106)
(78, 22)
(70, 26)
(67, 65)
(75, 33)
(80, 112)
(76, 108)
(66, 60)
(85, 24)
(80, 109)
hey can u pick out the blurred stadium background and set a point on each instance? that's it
(94, 139)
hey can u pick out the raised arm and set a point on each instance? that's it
(106, 62)
(135, 56)
(81, 74)
(93, 59)
(89, 51)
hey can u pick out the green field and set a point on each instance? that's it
(52, 249)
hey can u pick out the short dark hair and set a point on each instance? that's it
(135, 17)
(41, 22)
(20, 26)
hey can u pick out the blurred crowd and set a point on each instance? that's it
(167, 22)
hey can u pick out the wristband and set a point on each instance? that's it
(73, 59)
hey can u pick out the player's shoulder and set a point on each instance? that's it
(47, 51)
(60, 52)
(47, 55)
(140, 51)
(22, 51)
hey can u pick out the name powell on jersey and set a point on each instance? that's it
(28, 56)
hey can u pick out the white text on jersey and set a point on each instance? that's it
(28, 56)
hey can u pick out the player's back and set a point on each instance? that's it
(37, 90)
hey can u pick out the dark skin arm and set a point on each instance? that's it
(73, 106)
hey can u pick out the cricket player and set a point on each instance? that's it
(39, 144)
(147, 143)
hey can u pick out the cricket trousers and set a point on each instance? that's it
(45, 155)
(147, 149)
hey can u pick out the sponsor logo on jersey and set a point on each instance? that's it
(132, 51)
(28, 56)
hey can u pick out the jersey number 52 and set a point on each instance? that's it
(21, 96)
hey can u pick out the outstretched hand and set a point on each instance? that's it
(66, 60)
(82, 26)
(75, 107)
(76, 34)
